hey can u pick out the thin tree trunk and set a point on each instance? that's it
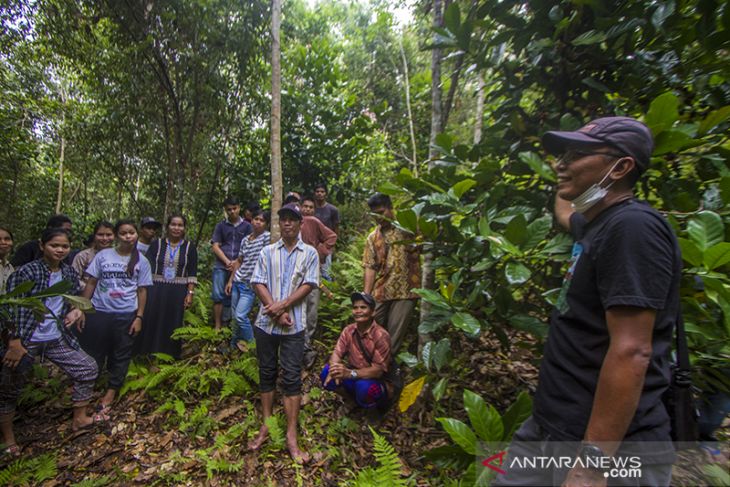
(480, 110)
(407, 85)
(276, 176)
(446, 110)
(427, 276)
(62, 157)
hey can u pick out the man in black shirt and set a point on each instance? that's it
(606, 360)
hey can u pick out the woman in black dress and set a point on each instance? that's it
(174, 262)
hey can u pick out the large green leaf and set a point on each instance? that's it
(464, 185)
(559, 244)
(714, 119)
(672, 141)
(441, 353)
(717, 256)
(516, 230)
(663, 11)
(690, 252)
(538, 166)
(537, 230)
(432, 297)
(528, 323)
(516, 414)
(408, 220)
(460, 434)
(466, 323)
(663, 112)
(516, 273)
(452, 18)
(484, 419)
(706, 229)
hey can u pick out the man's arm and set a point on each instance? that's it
(369, 280)
(563, 211)
(326, 240)
(621, 379)
(218, 251)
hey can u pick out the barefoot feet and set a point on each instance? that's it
(299, 456)
(260, 439)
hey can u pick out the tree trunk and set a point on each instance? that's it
(427, 276)
(276, 176)
(62, 157)
(407, 85)
(478, 117)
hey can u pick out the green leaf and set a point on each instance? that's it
(390, 189)
(559, 244)
(663, 112)
(440, 388)
(20, 289)
(444, 141)
(528, 323)
(516, 273)
(441, 353)
(537, 230)
(516, 414)
(460, 434)
(672, 141)
(452, 18)
(714, 119)
(408, 220)
(83, 304)
(484, 419)
(588, 38)
(432, 297)
(408, 358)
(717, 256)
(516, 230)
(538, 166)
(462, 186)
(706, 229)
(466, 323)
(690, 252)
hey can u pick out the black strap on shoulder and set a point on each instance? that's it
(361, 346)
(684, 372)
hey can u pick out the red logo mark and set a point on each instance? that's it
(488, 462)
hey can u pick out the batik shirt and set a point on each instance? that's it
(395, 261)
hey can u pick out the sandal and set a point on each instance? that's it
(96, 419)
(12, 451)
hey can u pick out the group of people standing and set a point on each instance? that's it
(138, 299)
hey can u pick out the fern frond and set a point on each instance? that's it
(276, 432)
(389, 465)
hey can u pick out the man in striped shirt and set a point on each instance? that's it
(285, 274)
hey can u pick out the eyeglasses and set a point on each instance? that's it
(573, 155)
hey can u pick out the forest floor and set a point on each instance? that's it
(205, 442)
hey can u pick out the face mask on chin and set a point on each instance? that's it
(593, 194)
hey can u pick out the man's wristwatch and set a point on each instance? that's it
(353, 374)
(592, 456)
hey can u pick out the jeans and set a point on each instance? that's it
(242, 299)
(218, 292)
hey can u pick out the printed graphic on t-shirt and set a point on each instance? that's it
(562, 302)
(115, 281)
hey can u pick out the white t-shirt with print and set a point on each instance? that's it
(116, 292)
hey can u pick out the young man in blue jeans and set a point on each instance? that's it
(226, 242)
(239, 285)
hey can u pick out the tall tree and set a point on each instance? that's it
(276, 176)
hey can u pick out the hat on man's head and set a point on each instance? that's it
(290, 209)
(358, 296)
(628, 135)
(292, 197)
(151, 222)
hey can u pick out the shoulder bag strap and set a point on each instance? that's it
(361, 346)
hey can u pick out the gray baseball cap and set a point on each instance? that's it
(628, 135)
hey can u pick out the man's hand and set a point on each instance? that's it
(284, 319)
(136, 327)
(230, 265)
(339, 371)
(15, 352)
(584, 477)
(275, 309)
(72, 317)
(229, 288)
(81, 322)
(188, 301)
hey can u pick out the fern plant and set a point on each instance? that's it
(389, 469)
(276, 431)
(31, 471)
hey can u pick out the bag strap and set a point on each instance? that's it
(361, 346)
(683, 376)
